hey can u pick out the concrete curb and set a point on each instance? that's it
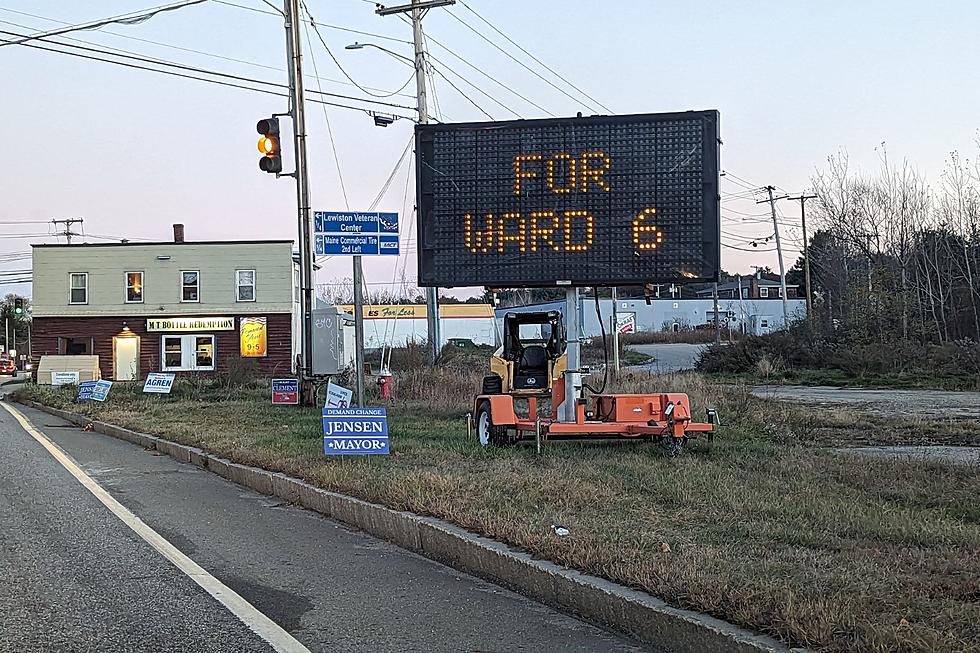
(594, 599)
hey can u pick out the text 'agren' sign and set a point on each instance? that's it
(190, 324)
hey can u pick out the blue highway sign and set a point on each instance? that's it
(355, 233)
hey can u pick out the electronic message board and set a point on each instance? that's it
(594, 201)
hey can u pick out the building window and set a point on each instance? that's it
(188, 353)
(245, 285)
(134, 287)
(763, 292)
(75, 346)
(78, 288)
(190, 286)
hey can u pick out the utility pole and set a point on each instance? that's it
(68, 222)
(615, 330)
(359, 332)
(779, 252)
(806, 252)
(297, 112)
(714, 295)
(415, 8)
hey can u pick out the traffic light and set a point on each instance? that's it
(18, 306)
(271, 160)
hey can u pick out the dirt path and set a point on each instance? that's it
(886, 403)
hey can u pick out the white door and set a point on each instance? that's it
(126, 364)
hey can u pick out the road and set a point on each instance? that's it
(75, 577)
(886, 403)
(668, 357)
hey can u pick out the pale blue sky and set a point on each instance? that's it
(133, 152)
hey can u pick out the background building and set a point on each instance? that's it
(755, 316)
(170, 306)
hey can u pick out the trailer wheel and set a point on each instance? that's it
(486, 432)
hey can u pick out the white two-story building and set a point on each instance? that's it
(167, 306)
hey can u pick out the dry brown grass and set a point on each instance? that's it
(833, 552)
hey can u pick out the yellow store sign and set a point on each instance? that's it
(253, 337)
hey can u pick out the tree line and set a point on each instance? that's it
(894, 257)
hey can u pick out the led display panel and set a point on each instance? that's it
(593, 201)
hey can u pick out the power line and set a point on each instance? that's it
(131, 18)
(482, 72)
(474, 86)
(203, 79)
(326, 47)
(326, 118)
(205, 71)
(471, 100)
(546, 66)
(327, 25)
(171, 46)
(518, 61)
(744, 249)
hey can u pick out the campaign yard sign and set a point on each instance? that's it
(285, 392)
(85, 389)
(101, 390)
(355, 431)
(158, 382)
(338, 396)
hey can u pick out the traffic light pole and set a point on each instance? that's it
(415, 8)
(294, 54)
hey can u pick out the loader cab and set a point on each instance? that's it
(532, 355)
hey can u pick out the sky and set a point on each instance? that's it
(133, 152)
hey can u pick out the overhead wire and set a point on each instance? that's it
(130, 18)
(519, 62)
(482, 72)
(207, 80)
(336, 61)
(327, 25)
(205, 71)
(326, 119)
(171, 46)
(541, 63)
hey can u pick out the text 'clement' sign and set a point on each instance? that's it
(570, 201)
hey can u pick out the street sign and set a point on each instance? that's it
(594, 201)
(101, 390)
(355, 233)
(355, 431)
(285, 391)
(159, 382)
(337, 396)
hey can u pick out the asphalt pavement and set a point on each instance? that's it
(926, 404)
(74, 577)
(668, 357)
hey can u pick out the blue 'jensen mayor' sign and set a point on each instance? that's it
(355, 431)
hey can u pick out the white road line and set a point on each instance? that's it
(261, 625)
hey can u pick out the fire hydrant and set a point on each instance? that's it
(384, 384)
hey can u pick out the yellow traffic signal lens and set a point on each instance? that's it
(268, 146)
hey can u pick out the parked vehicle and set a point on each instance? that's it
(8, 366)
